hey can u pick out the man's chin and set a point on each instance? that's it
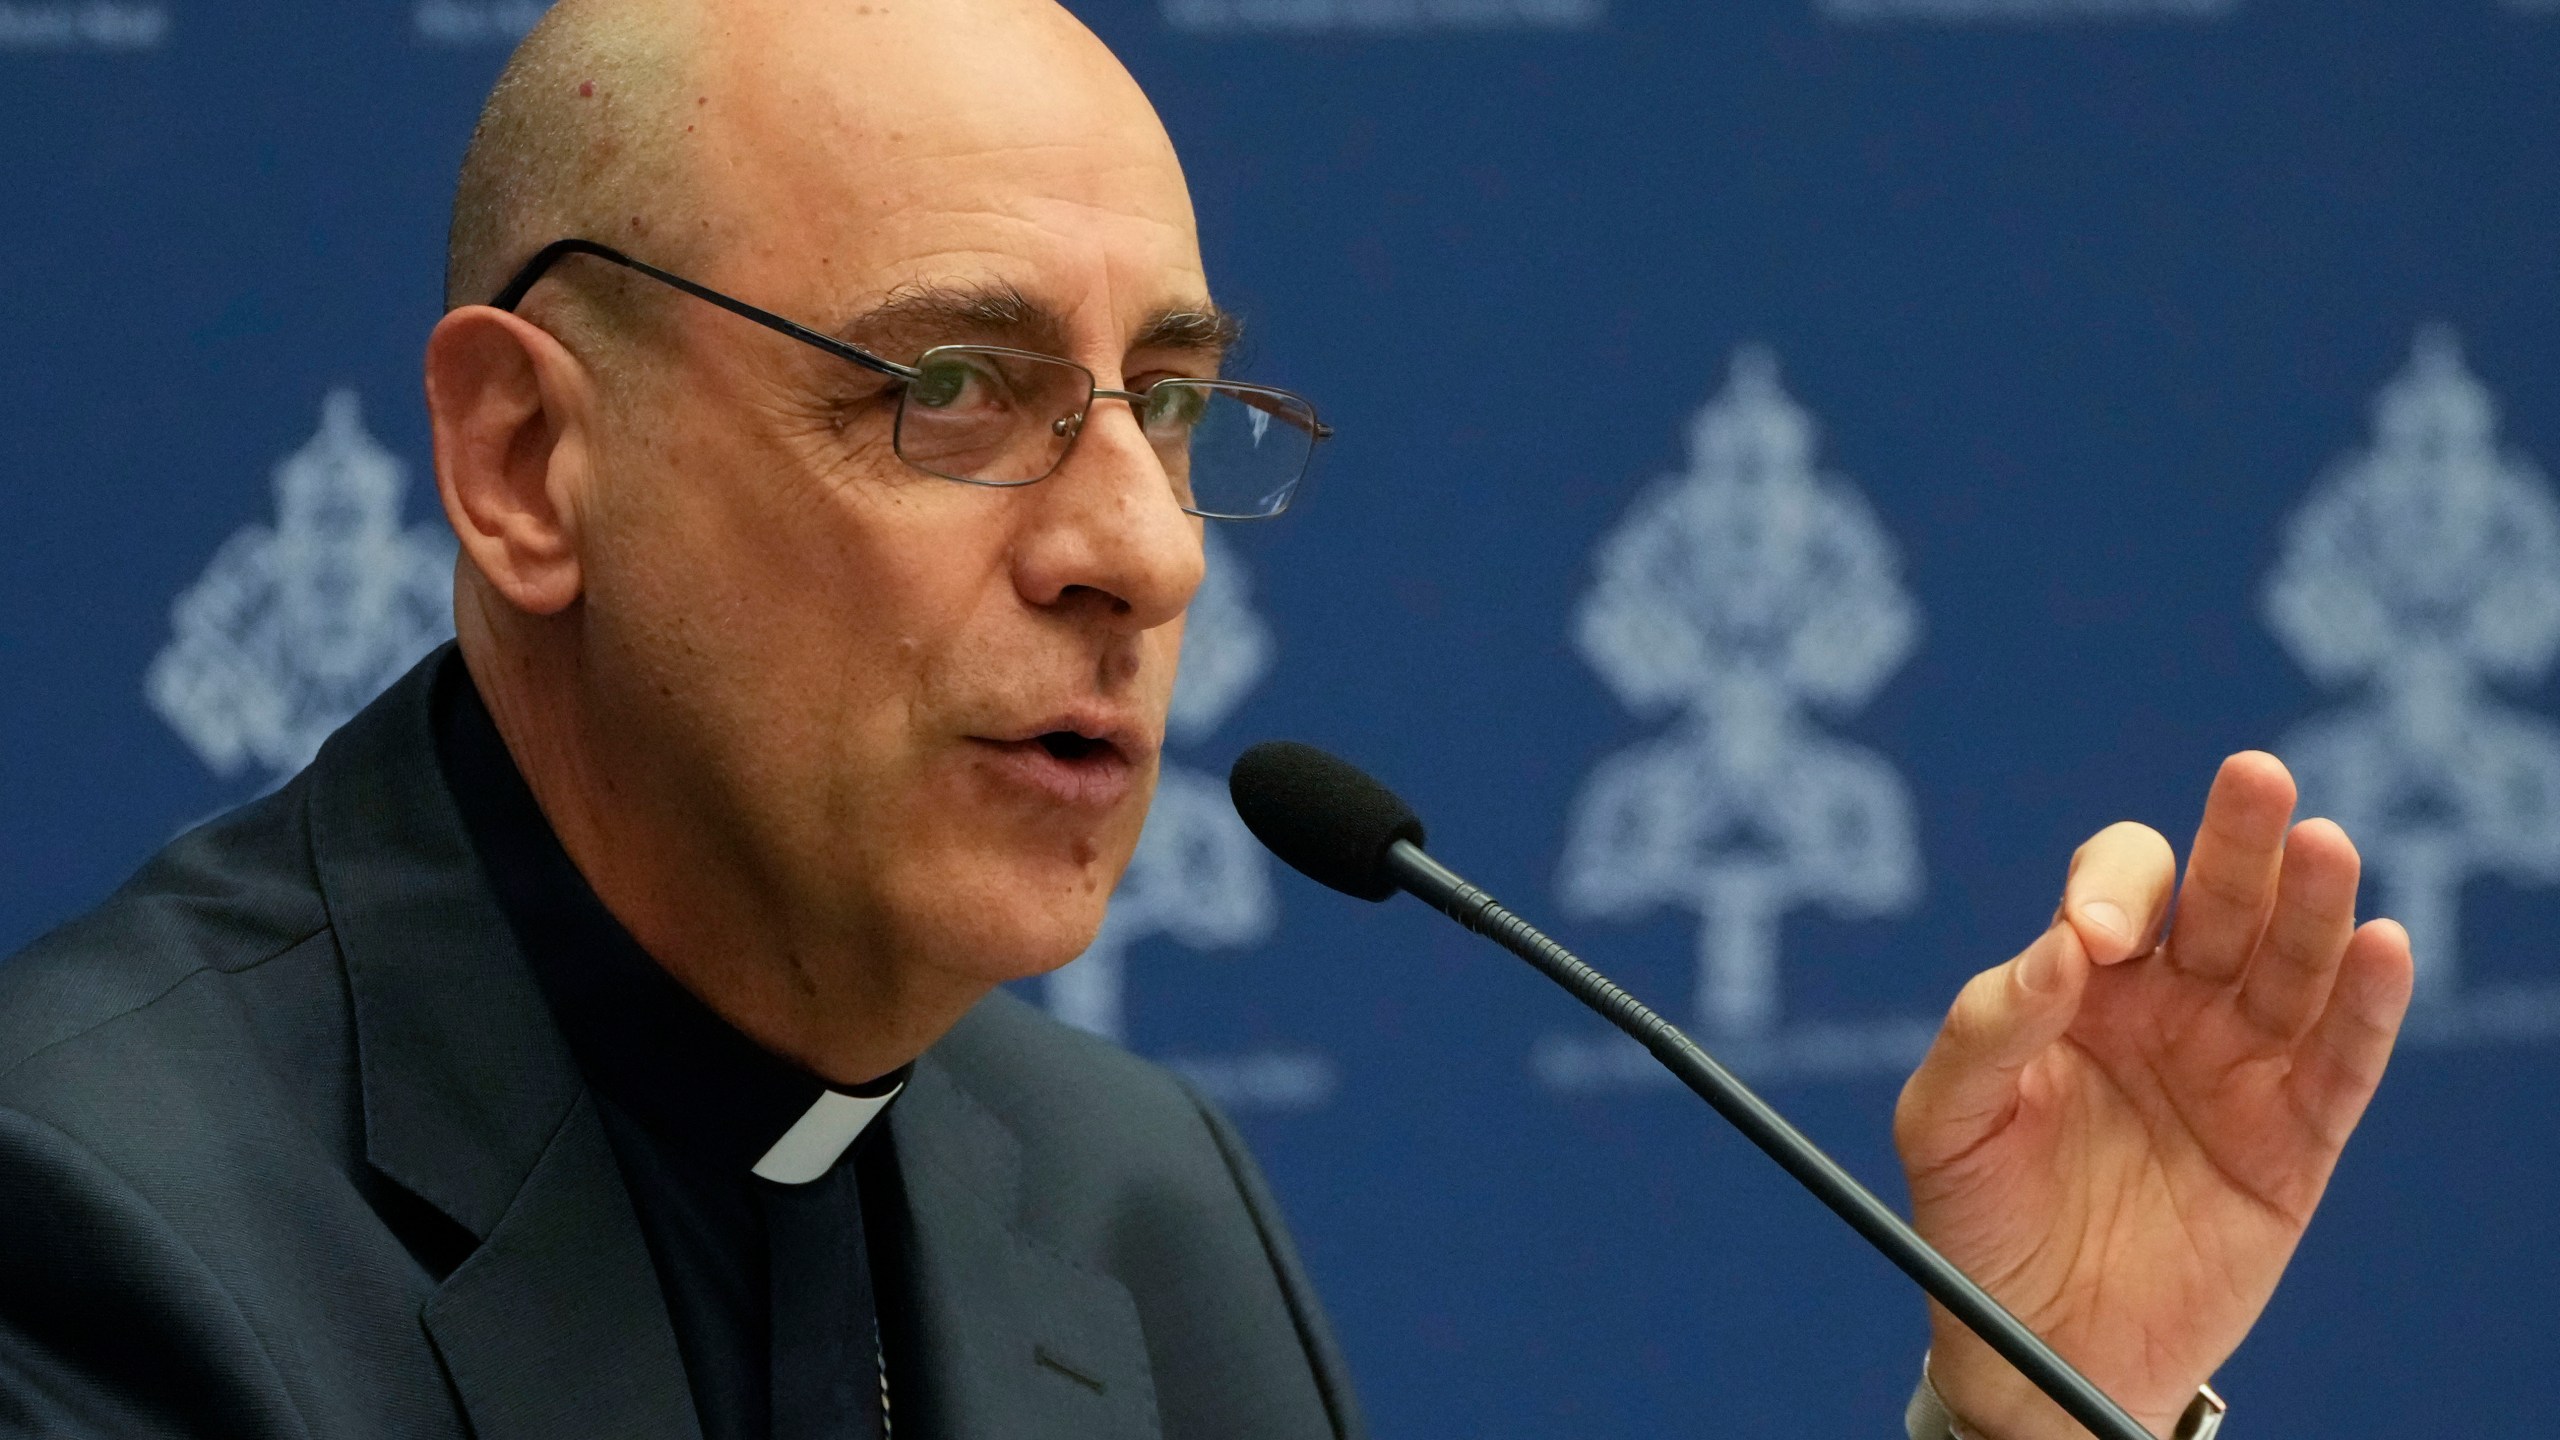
(987, 962)
(998, 900)
(997, 933)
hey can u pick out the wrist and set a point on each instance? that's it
(1986, 1393)
(1930, 1417)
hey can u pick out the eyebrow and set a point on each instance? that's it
(924, 315)
(1207, 329)
(915, 317)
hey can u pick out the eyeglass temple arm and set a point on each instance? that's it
(1253, 395)
(543, 259)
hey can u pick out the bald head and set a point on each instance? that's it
(612, 115)
(577, 138)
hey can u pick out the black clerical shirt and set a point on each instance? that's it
(750, 1177)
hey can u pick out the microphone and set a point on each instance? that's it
(1340, 828)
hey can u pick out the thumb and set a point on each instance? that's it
(1967, 1086)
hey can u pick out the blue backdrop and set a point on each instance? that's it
(1980, 415)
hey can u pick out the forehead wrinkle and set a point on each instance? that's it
(1007, 211)
(1078, 253)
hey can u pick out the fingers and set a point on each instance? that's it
(2231, 876)
(2343, 1058)
(2119, 891)
(1967, 1086)
(2289, 980)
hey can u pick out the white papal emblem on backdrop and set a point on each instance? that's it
(82, 25)
(2420, 579)
(498, 23)
(1199, 878)
(1743, 603)
(295, 625)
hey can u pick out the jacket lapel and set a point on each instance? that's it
(555, 1326)
(1015, 1340)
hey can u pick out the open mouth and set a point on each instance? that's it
(1069, 746)
(1069, 766)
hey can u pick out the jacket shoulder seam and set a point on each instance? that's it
(163, 993)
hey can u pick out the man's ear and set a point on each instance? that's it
(511, 408)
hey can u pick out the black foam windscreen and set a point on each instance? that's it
(1324, 816)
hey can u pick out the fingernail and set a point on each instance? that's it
(2107, 915)
(2036, 969)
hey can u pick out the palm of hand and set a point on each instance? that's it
(2124, 1145)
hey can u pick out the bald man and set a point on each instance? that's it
(603, 1038)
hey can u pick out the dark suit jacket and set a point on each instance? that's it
(289, 1146)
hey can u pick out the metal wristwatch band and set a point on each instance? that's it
(2203, 1419)
(1927, 1418)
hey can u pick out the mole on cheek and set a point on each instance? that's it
(586, 89)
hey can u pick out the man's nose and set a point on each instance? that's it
(1105, 530)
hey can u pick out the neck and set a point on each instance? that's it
(811, 983)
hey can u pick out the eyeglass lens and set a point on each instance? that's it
(994, 416)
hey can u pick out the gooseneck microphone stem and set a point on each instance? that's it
(1435, 884)
(1341, 828)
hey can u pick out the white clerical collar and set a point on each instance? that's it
(819, 1138)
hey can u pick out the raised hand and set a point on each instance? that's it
(2123, 1141)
